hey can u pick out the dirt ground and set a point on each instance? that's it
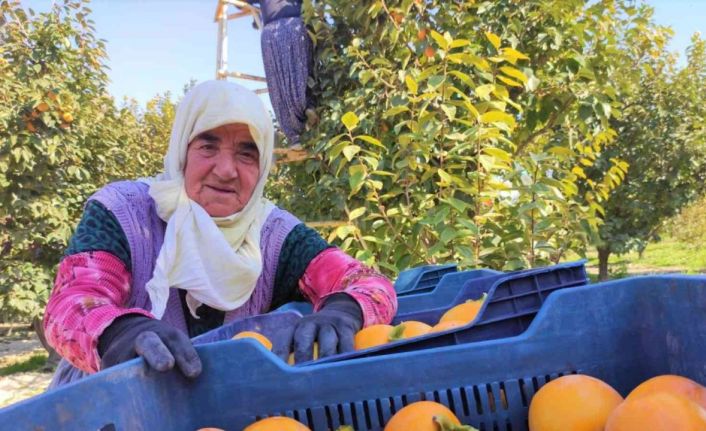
(19, 386)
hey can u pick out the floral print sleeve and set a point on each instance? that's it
(91, 290)
(333, 271)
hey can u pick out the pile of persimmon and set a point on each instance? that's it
(583, 403)
(418, 416)
(376, 335)
(457, 316)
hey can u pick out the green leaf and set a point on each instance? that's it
(450, 111)
(357, 174)
(435, 81)
(394, 111)
(350, 120)
(493, 38)
(371, 140)
(448, 234)
(356, 213)
(457, 204)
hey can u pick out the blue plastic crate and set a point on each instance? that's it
(265, 324)
(512, 303)
(421, 278)
(442, 294)
(623, 332)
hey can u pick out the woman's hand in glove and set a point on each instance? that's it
(333, 327)
(160, 345)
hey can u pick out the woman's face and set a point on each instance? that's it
(222, 169)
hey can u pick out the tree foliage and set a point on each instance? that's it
(462, 131)
(662, 135)
(61, 137)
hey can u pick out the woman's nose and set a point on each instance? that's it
(226, 168)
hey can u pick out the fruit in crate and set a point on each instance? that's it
(425, 416)
(672, 384)
(465, 312)
(374, 335)
(412, 328)
(574, 402)
(449, 324)
(661, 411)
(277, 423)
(256, 336)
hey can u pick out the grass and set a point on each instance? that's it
(24, 363)
(668, 255)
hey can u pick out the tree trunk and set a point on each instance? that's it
(54, 357)
(603, 254)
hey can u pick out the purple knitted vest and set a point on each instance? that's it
(135, 210)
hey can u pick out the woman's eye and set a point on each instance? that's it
(208, 147)
(249, 156)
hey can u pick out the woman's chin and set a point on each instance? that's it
(220, 210)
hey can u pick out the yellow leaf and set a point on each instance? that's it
(561, 151)
(512, 55)
(472, 109)
(440, 40)
(498, 153)
(411, 84)
(370, 140)
(458, 43)
(498, 117)
(445, 177)
(514, 73)
(494, 39)
(483, 91)
(578, 171)
(501, 92)
(350, 120)
(509, 81)
(356, 213)
(350, 150)
(480, 63)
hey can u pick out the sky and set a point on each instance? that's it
(156, 46)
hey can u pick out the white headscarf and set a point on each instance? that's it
(216, 260)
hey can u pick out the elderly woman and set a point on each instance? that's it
(156, 261)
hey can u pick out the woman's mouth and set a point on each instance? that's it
(221, 189)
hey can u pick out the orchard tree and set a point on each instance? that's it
(61, 138)
(461, 131)
(662, 135)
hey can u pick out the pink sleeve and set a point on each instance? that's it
(333, 271)
(90, 291)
